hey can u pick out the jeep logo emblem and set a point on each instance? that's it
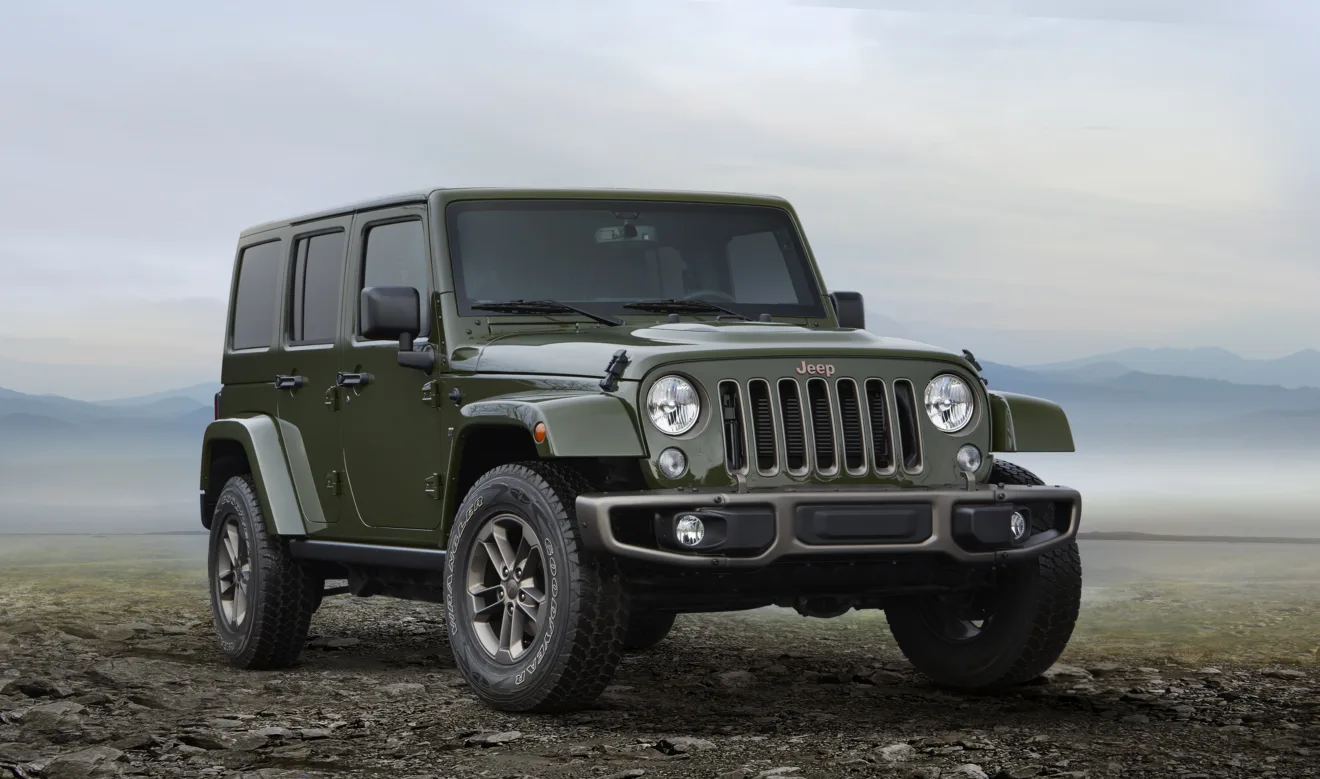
(816, 369)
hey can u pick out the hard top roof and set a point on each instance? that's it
(512, 192)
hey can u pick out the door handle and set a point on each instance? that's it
(352, 379)
(289, 382)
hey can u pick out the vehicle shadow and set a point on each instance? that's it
(720, 674)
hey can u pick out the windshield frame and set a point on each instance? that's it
(815, 309)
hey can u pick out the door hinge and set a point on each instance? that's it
(433, 483)
(332, 482)
(332, 399)
(431, 393)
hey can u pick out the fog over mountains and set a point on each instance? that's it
(1159, 441)
(1134, 396)
(174, 412)
(1300, 369)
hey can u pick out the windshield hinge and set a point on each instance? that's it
(614, 370)
(967, 354)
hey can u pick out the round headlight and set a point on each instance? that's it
(949, 403)
(673, 405)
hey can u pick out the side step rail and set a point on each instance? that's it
(414, 558)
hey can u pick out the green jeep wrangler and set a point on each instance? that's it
(571, 415)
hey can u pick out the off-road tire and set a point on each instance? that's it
(1036, 607)
(647, 628)
(282, 592)
(575, 654)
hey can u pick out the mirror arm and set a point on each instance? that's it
(423, 361)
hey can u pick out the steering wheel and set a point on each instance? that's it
(698, 294)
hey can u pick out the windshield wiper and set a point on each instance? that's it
(673, 306)
(543, 307)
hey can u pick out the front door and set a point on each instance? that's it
(394, 443)
(311, 341)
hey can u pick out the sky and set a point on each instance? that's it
(1033, 180)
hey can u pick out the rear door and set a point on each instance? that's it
(394, 448)
(313, 338)
(252, 354)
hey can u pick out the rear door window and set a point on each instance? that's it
(254, 298)
(318, 270)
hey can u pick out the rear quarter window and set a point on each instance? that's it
(255, 296)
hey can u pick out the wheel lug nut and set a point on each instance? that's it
(518, 573)
(522, 596)
(504, 572)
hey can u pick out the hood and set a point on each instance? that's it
(586, 354)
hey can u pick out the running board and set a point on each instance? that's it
(414, 558)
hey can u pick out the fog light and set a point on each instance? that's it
(672, 462)
(689, 530)
(1019, 525)
(969, 459)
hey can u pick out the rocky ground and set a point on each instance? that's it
(112, 669)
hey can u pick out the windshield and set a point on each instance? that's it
(605, 254)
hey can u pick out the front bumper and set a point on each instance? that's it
(756, 528)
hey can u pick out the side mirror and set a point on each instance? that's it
(394, 312)
(849, 310)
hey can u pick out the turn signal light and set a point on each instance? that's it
(538, 432)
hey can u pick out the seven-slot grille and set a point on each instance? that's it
(817, 425)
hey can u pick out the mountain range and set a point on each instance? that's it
(182, 411)
(1299, 369)
(1107, 400)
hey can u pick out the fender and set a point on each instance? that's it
(263, 440)
(577, 424)
(1021, 423)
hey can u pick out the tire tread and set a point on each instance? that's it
(1058, 586)
(594, 643)
(286, 598)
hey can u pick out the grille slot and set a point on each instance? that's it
(735, 438)
(850, 421)
(822, 426)
(795, 433)
(909, 439)
(763, 426)
(879, 413)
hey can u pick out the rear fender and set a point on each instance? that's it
(1021, 423)
(262, 441)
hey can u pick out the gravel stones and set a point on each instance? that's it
(91, 763)
(736, 696)
(494, 739)
(403, 689)
(36, 687)
(736, 679)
